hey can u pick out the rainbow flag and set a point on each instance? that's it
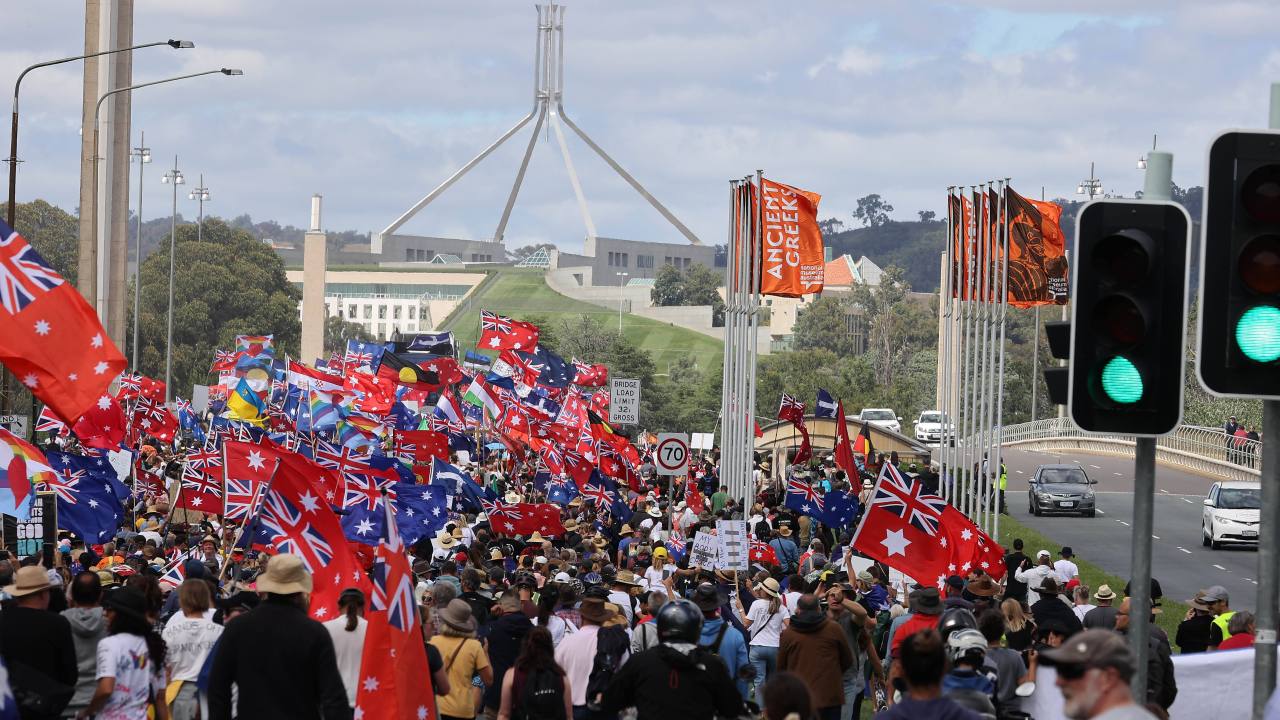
(22, 465)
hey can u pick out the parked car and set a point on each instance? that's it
(1061, 489)
(882, 417)
(929, 427)
(1231, 514)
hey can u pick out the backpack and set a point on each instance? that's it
(612, 645)
(541, 697)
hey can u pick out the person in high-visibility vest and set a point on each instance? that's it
(1004, 483)
(1220, 604)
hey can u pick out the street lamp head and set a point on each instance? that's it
(181, 44)
(232, 71)
(1142, 162)
(1080, 189)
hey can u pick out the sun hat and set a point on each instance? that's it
(1104, 593)
(535, 539)
(867, 484)
(512, 497)
(570, 525)
(785, 531)
(495, 553)
(285, 575)
(626, 529)
(984, 586)
(593, 610)
(707, 597)
(445, 540)
(1198, 602)
(626, 577)
(457, 533)
(927, 601)
(457, 615)
(28, 580)
(1049, 586)
(769, 587)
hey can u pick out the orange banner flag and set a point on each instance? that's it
(791, 258)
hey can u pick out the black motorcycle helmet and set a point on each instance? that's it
(956, 619)
(679, 621)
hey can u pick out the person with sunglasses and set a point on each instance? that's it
(1094, 668)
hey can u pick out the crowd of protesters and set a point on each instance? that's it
(598, 623)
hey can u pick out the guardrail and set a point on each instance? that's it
(1198, 449)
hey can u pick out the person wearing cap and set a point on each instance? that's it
(281, 661)
(1035, 576)
(131, 662)
(816, 649)
(1192, 635)
(464, 657)
(37, 641)
(955, 594)
(1162, 686)
(1094, 668)
(656, 574)
(1220, 603)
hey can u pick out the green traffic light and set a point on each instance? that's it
(1258, 333)
(1121, 381)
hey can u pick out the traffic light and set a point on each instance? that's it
(1128, 317)
(1239, 320)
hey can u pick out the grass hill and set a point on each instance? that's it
(522, 294)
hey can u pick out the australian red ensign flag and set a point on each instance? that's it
(50, 338)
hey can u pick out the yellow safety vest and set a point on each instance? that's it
(1004, 477)
(1222, 620)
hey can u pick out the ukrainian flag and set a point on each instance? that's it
(245, 404)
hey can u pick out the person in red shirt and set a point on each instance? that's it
(1241, 627)
(926, 610)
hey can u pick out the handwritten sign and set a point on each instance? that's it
(734, 546)
(705, 552)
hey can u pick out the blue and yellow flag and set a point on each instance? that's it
(245, 404)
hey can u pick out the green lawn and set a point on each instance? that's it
(1090, 574)
(524, 293)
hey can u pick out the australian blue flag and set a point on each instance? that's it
(561, 491)
(466, 494)
(419, 510)
(88, 494)
(553, 370)
(190, 423)
(804, 498)
(840, 510)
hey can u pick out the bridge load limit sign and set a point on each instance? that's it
(672, 456)
(624, 401)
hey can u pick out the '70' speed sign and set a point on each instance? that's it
(672, 456)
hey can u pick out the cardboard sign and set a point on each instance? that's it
(705, 551)
(734, 546)
(40, 530)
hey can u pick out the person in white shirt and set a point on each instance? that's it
(1082, 605)
(659, 571)
(1034, 576)
(348, 633)
(188, 637)
(1066, 569)
(764, 621)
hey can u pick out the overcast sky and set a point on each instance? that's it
(373, 103)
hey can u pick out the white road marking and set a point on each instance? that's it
(1220, 568)
(1100, 512)
(1155, 537)
(1187, 501)
(1096, 467)
(1255, 582)
(1123, 523)
(1019, 472)
(1118, 474)
(1166, 492)
(1185, 550)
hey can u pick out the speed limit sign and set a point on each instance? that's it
(672, 454)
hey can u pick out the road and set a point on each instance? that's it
(1179, 561)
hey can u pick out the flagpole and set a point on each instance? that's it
(255, 507)
(944, 355)
(753, 321)
(989, 368)
(981, 215)
(1004, 311)
(970, 372)
(966, 356)
(984, 408)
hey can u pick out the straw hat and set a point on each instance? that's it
(769, 587)
(457, 615)
(495, 554)
(626, 529)
(570, 525)
(536, 538)
(28, 580)
(285, 575)
(445, 540)
(654, 512)
(626, 577)
(457, 533)
(512, 497)
(785, 531)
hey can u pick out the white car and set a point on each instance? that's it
(882, 417)
(1231, 514)
(929, 427)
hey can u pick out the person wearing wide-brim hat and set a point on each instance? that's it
(300, 676)
(32, 635)
(1051, 607)
(983, 587)
(464, 658)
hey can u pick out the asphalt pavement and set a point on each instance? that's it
(1178, 559)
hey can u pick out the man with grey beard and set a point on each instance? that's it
(1094, 668)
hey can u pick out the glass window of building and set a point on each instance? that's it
(368, 312)
(395, 313)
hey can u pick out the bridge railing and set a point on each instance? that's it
(1200, 449)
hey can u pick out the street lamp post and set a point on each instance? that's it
(13, 132)
(143, 154)
(621, 287)
(100, 282)
(1142, 159)
(200, 193)
(174, 178)
(1091, 187)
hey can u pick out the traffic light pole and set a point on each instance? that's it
(1156, 187)
(1267, 612)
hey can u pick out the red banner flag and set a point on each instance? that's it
(844, 448)
(498, 332)
(50, 338)
(792, 262)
